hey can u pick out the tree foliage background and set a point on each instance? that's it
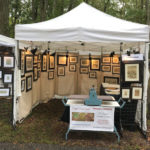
(30, 11)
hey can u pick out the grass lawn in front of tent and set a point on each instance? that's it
(43, 125)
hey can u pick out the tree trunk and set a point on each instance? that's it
(4, 17)
(148, 12)
(62, 7)
(43, 10)
(71, 4)
(106, 5)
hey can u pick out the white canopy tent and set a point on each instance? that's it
(6, 41)
(97, 30)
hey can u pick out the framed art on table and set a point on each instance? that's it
(106, 68)
(137, 93)
(84, 62)
(62, 60)
(72, 68)
(35, 73)
(92, 75)
(73, 59)
(84, 70)
(111, 80)
(28, 83)
(60, 71)
(22, 62)
(4, 92)
(116, 69)
(51, 62)
(8, 62)
(35, 59)
(44, 63)
(8, 78)
(125, 93)
(29, 63)
(95, 64)
(51, 75)
(22, 85)
(106, 59)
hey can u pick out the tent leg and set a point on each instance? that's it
(116, 132)
(67, 133)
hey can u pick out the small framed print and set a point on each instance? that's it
(116, 69)
(35, 73)
(125, 93)
(84, 70)
(92, 75)
(22, 85)
(44, 63)
(84, 62)
(28, 83)
(8, 78)
(50, 75)
(106, 68)
(111, 80)
(72, 68)
(4, 92)
(106, 59)
(1, 73)
(62, 60)
(137, 93)
(51, 62)
(22, 62)
(29, 63)
(8, 62)
(35, 59)
(61, 71)
(115, 60)
(73, 59)
(95, 64)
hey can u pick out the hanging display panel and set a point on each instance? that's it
(51, 62)
(44, 63)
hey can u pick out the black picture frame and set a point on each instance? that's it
(106, 59)
(5, 74)
(35, 73)
(28, 81)
(60, 72)
(35, 59)
(135, 90)
(61, 62)
(28, 63)
(84, 70)
(115, 72)
(5, 62)
(83, 62)
(93, 75)
(44, 63)
(71, 61)
(22, 63)
(126, 93)
(72, 67)
(3, 88)
(111, 80)
(106, 69)
(50, 75)
(52, 62)
(22, 85)
(92, 67)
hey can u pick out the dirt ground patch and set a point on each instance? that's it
(44, 126)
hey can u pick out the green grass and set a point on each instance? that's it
(43, 126)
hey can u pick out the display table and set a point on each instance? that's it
(92, 118)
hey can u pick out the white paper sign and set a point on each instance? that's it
(132, 57)
(95, 118)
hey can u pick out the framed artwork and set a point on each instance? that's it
(62, 60)
(39, 57)
(29, 63)
(111, 80)
(84, 70)
(0, 61)
(116, 69)
(39, 73)
(35, 59)
(1, 72)
(61, 71)
(106, 68)
(51, 75)
(35, 73)
(125, 93)
(8, 78)
(8, 62)
(22, 85)
(28, 83)
(92, 75)
(137, 93)
(4, 92)
(106, 59)
(72, 68)
(44, 63)
(51, 62)
(39, 65)
(95, 64)
(22, 62)
(84, 62)
(115, 60)
(131, 73)
(73, 59)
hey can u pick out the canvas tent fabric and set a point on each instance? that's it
(6, 41)
(83, 23)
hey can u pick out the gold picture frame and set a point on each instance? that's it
(62, 60)
(60, 71)
(50, 75)
(84, 70)
(84, 62)
(115, 60)
(106, 59)
(73, 59)
(137, 93)
(72, 68)
(116, 69)
(106, 68)
(95, 64)
(93, 75)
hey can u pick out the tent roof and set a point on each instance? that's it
(83, 23)
(6, 41)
